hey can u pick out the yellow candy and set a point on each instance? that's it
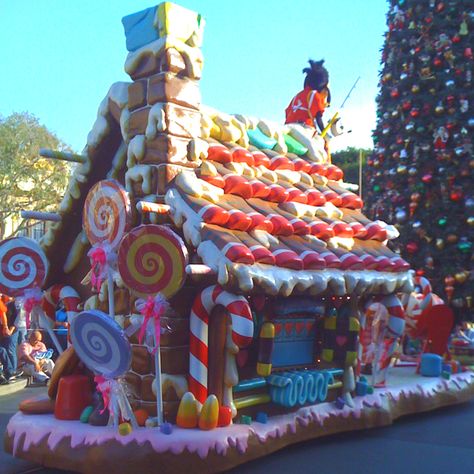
(125, 429)
(209, 413)
(187, 416)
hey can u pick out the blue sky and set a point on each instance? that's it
(59, 57)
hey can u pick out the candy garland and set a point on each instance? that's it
(106, 217)
(103, 347)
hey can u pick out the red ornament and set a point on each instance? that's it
(415, 112)
(412, 247)
(468, 53)
(394, 94)
(437, 62)
(412, 206)
(456, 39)
(406, 105)
(427, 178)
(456, 196)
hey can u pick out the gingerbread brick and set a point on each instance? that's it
(138, 121)
(177, 120)
(147, 394)
(174, 360)
(167, 87)
(171, 61)
(177, 332)
(167, 149)
(141, 360)
(137, 93)
(147, 66)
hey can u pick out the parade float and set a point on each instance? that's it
(225, 293)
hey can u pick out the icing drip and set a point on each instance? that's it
(30, 430)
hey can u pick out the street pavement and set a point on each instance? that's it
(439, 442)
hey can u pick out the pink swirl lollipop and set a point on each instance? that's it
(107, 213)
(23, 265)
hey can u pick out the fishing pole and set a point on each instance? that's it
(336, 115)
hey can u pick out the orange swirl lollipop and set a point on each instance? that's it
(152, 259)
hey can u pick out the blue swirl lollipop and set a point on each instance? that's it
(100, 343)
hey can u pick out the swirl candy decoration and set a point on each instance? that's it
(107, 213)
(100, 343)
(152, 259)
(23, 265)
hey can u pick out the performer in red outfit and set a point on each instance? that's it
(307, 106)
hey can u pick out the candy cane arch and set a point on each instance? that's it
(424, 285)
(61, 293)
(242, 332)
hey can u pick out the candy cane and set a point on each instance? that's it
(242, 332)
(394, 330)
(424, 285)
(68, 295)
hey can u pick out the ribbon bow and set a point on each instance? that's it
(113, 395)
(102, 258)
(152, 309)
(30, 299)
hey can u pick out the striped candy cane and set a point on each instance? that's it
(68, 295)
(242, 332)
(394, 330)
(424, 285)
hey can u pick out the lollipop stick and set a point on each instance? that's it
(110, 289)
(159, 395)
(44, 323)
(116, 408)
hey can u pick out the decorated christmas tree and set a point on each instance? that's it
(421, 173)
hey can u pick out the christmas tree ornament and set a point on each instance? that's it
(439, 109)
(412, 247)
(402, 169)
(468, 301)
(412, 171)
(470, 221)
(401, 215)
(442, 221)
(456, 195)
(427, 178)
(463, 29)
(415, 88)
(465, 246)
(429, 262)
(439, 243)
(461, 277)
(451, 238)
(449, 290)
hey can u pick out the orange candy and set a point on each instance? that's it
(141, 416)
(209, 413)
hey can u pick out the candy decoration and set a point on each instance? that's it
(100, 343)
(23, 265)
(388, 338)
(424, 285)
(187, 416)
(209, 416)
(264, 361)
(242, 332)
(341, 339)
(107, 213)
(61, 293)
(152, 259)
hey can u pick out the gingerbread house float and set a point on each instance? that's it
(270, 269)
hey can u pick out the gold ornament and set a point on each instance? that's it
(461, 277)
(439, 244)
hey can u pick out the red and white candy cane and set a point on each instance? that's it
(64, 293)
(424, 285)
(393, 331)
(242, 332)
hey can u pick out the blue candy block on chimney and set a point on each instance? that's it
(139, 29)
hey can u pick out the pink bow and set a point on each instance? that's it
(31, 298)
(101, 257)
(104, 387)
(152, 308)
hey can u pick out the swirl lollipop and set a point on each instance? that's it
(107, 213)
(103, 347)
(152, 259)
(100, 343)
(23, 266)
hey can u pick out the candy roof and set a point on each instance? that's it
(257, 200)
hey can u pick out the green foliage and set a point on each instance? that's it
(348, 161)
(28, 181)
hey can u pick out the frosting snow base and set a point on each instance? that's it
(26, 432)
